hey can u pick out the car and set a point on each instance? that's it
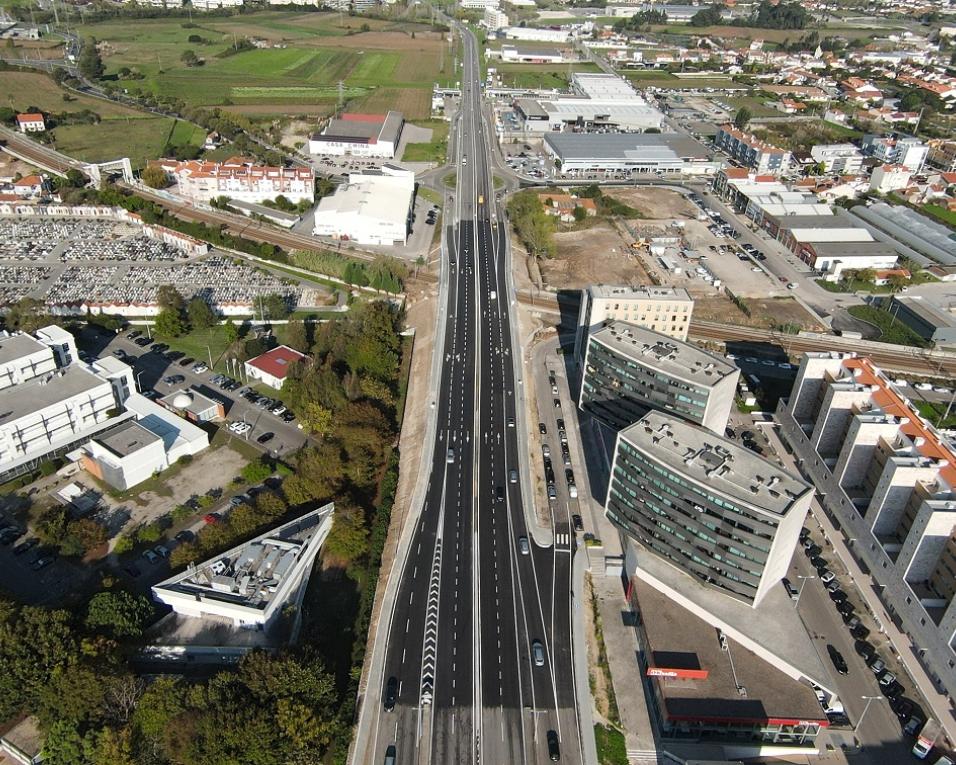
(542, 429)
(41, 563)
(450, 456)
(818, 563)
(537, 651)
(554, 748)
(833, 586)
(185, 536)
(161, 550)
(391, 693)
(142, 342)
(827, 576)
(511, 422)
(499, 493)
(902, 707)
(174, 379)
(119, 353)
(186, 361)
(552, 492)
(200, 366)
(563, 436)
(512, 476)
(25, 547)
(860, 632)
(560, 424)
(523, 545)
(278, 410)
(577, 522)
(769, 363)
(864, 649)
(837, 596)
(133, 335)
(846, 610)
(288, 416)
(839, 663)
(792, 286)
(729, 432)
(557, 403)
(158, 348)
(914, 725)
(151, 557)
(211, 518)
(876, 664)
(546, 450)
(265, 437)
(390, 755)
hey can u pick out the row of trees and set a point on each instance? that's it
(177, 316)
(533, 226)
(767, 15)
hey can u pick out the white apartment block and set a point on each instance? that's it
(889, 479)
(239, 179)
(663, 309)
(495, 18)
(838, 158)
(909, 152)
(886, 178)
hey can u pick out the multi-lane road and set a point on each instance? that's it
(478, 634)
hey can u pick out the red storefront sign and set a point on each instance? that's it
(679, 674)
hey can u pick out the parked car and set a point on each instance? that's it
(174, 379)
(265, 437)
(211, 518)
(839, 663)
(24, 547)
(151, 557)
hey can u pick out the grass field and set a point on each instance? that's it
(313, 52)
(433, 151)
(540, 75)
(893, 331)
(757, 107)
(661, 79)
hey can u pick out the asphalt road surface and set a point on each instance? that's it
(471, 605)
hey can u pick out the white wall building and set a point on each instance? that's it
(360, 135)
(906, 151)
(495, 18)
(838, 158)
(250, 584)
(886, 178)
(31, 123)
(237, 178)
(369, 209)
(272, 367)
(538, 35)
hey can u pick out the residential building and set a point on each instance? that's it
(360, 135)
(629, 370)
(272, 367)
(495, 18)
(250, 584)
(838, 158)
(706, 505)
(23, 743)
(887, 178)
(942, 154)
(29, 186)
(210, 5)
(750, 151)
(676, 14)
(861, 91)
(31, 122)
(374, 207)
(663, 309)
(239, 178)
(925, 319)
(51, 403)
(631, 153)
(907, 151)
(887, 478)
(563, 206)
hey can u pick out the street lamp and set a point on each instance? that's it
(802, 585)
(869, 700)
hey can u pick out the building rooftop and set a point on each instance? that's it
(189, 401)
(47, 390)
(379, 196)
(853, 250)
(636, 293)
(617, 146)
(277, 361)
(680, 360)
(606, 111)
(726, 466)
(912, 229)
(734, 685)
(751, 140)
(127, 438)
(17, 346)
(369, 127)
(926, 311)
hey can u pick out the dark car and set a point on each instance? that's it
(391, 693)
(839, 663)
(174, 355)
(560, 424)
(266, 437)
(174, 379)
(499, 493)
(863, 649)
(288, 416)
(25, 547)
(554, 748)
(817, 562)
(902, 707)
(133, 335)
(837, 596)
(142, 342)
(860, 632)
(187, 361)
(159, 347)
(542, 429)
(578, 523)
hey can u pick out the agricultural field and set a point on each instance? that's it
(121, 132)
(310, 54)
(661, 79)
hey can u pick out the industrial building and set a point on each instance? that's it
(629, 370)
(536, 34)
(761, 197)
(250, 585)
(360, 135)
(924, 319)
(833, 258)
(272, 367)
(512, 54)
(911, 233)
(634, 153)
(663, 309)
(238, 178)
(750, 151)
(372, 208)
(706, 505)
(888, 478)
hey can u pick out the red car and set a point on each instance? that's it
(211, 518)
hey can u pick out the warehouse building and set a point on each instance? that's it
(630, 370)
(372, 208)
(706, 505)
(576, 113)
(360, 135)
(913, 234)
(629, 152)
(924, 319)
(833, 258)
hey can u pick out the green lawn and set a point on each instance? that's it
(201, 344)
(757, 107)
(661, 79)
(435, 150)
(540, 75)
(934, 412)
(611, 747)
(894, 331)
(140, 139)
(944, 216)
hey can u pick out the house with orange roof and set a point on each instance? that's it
(861, 91)
(562, 206)
(887, 477)
(240, 179)
(31, 122)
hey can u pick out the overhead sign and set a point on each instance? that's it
(681, 674)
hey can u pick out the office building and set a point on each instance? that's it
(360, 135)
(663, 309)
(751, 152)
(629, 370)
(249, 585)
(888, 479)
(374, 207)
(838, 158)
(238, 178)
(634, 153)
(272, 367)
(706, 505)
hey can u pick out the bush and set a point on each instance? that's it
(149, 534)
(256, 472)
(123, 545)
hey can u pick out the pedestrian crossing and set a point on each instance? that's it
(562, 542)
(643, 757)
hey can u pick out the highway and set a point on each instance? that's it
(469, 603)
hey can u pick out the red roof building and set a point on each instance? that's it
(273, 366)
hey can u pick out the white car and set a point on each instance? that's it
(923, 386)
(279, 410)
(240, 427)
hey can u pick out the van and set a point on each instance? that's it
(390, 755)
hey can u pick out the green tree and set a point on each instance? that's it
(275, 306)
(169, 298)
(348, 539)
(897, 282)
(169, 323)
(297, 336)
(112, 746)
(189, 58)
(118, 614)
(257, 472)
(317, 419)
(154, 177)
(866, 275)
(580, 213)
(85, 535)
(89, 63)
(201, 316)
(270, 505)
(742, 118)
(230, 331)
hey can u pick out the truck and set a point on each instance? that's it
(481, 199)
(926, 739)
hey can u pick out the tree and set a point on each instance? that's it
(168, 297)
(317, 419)
(348, 539)
(230, 331)
(83, 536)
(897, 282)
(189, 58)
(201, 316)
(742, 118)
(707, 17)
(90, 64)
(580, 213)
(118, 614)
(170, 324)
(297, 336)
(275, 306)
(866, 274)
(154, 177)
(256, 472)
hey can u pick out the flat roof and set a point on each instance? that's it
(46, 390)
(912, 229)
(925, 310)
(619, 146)
(17, 346)
(673, 357)
(348, 129)
(614, 111)
(853, 249)
(638, 293)
(127, 438)
(707, 458)
(817, 221)
(679, 640)
(374, 197)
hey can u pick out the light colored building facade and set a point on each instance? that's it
(907, 151)
(630, 153)
(887, 178)
(360, 135)
(667, 310)
(495, 18)
(372, 208)
(629, 370)
(888, 478)
(838, 158)
(32, 122)
(238, 178)
(751, 152)
(272, 367)
(707, 505)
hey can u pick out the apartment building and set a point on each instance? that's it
(886, 178)
(907, 151)
(663, 309)
(495, 18)
(838, 158)
(750, 151)
(707, 505)
(630, 370)
(240, 179)
(889, 479)
(942, 154)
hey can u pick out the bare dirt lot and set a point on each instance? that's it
(653, 202)
(766, 312)
(595, 255)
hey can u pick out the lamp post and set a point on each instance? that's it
(802, 585)
(869, 700)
